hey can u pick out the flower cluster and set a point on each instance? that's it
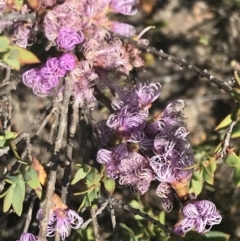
(200, 216)
(45, 78)
(148, 149)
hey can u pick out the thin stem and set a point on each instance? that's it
(181, 62)
(53, 174)
(95, 224)
(29, 215)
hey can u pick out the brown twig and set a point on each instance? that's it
(29, 215)
(99, 211)
(113, 218)
(226, 142)
(73, 120)
(181, 62)
(53, 173)
(95, 224)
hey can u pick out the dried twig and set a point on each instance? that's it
(99, 211)
(53, 173)
(74, 118)
(29, 214)
(95, 224)
(181, 62)
(113, 219)
(226, 142)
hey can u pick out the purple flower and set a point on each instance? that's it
(68, 39)
(62, 221)
(28, 237)
(148, 93)
(200, 216)
(31, 77)
(67, 61)
(164, 191)
(124, 6)
(134, 171)
(52, 67)
(122, 28)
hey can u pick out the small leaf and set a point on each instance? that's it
(93, 178)
(18, 4)
(197, 186)
(13, 63)
(31, 178)
(80, 174)
(236, 131)
(37, 166)
(162, 217)
(207, 172)
(12, 179)
(224, 123)
(4, 42)
(5, 192)
(8, 199)
(232, 160)
(236, 176)
(25, 56)
(18, 197)
(109, 185)
(217, 236)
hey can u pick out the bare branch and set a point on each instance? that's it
(99, 211)
(113, 219)
(53, 174)
(181, 62)
(95, 224)
(29, 214)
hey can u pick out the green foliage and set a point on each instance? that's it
(31, 178)
(13, 55)
(93, 180)
(14, 195)
(209, 236)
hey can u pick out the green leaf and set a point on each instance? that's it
(217, 236)
(4, 42)
(224, 123)
(233, 160)
(12, 179)
(162, 217)
(80, 174)
(5, 192)
(25, 56)
(18, 4)
(236, 131)
(109, 185)
(8, 199)
(18, 197)
(93, 178)
(13, 63)
(31, 178)
(197, 186)
(92, 195)
(236, 176)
